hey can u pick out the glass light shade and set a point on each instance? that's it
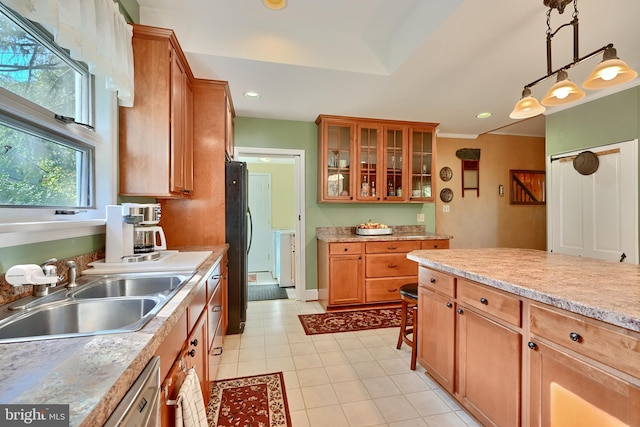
(527, 107)
(612, 71)
(564, 91)
(275, 4)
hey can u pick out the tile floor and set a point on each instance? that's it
(344, 379)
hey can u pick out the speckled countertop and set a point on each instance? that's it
(91, 374)
(603, 290)
(400, 232)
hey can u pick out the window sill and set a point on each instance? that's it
(22, 233)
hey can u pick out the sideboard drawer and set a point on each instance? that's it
(389, 265)
(403, 246)
(437, 281)
(616, 349)
(386, 289)
(498, 304)
(345, 248)
(435, 244)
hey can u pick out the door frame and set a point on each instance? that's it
(298, 156)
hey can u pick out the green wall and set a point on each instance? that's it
(252, 132)
(37, 253)
(608, 120)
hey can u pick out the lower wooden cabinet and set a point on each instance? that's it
(567, 391)
(372, 272)
(475, 357)
(489, 368)
(436, 317)
(196, 356)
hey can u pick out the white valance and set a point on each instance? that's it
(94, 32)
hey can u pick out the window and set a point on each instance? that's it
(43, 162)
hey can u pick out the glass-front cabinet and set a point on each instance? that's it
(371, 160)
(421, 164)
(335, 151)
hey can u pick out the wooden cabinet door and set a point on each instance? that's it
(436, 341)
(395, 161)
(346, 280)
(178, 89)
(489, 368)
(336, 160)
(421, 163)
(566, 391)
(196, 354)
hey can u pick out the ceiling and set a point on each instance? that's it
(419, 60)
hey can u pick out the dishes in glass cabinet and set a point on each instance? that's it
(446, 173)
(446, 195)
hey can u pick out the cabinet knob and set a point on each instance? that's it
(484, 301)
(194, 342)
(346, 249)
(192, 353)
(460, 311)
(432, 280)
(449, 305)
(435, 246)
(532, 345)
(575, 337)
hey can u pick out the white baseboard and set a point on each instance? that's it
(311, 295)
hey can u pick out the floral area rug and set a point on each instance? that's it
(256, 401)
(348, 321)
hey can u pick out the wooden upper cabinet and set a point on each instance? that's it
(371, 160)
(156, 134)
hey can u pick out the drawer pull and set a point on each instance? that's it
(460, 311)
(392, 290)
(532, 345)
(484, 301)
(433, 280)
(392, 248)
(216, 309)
(194, 342)
(449, 305)
(575, 337)
(393, 266)
(192, 353)
(217, 349)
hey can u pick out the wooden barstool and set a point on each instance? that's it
(409, 296)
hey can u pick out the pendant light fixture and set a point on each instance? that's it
(275, 4)
(610, 72)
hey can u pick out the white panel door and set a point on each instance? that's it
(596, 215)
(260, 206)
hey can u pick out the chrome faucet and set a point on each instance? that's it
(42, 277)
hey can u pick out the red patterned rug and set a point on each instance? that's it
(348, 321)
(259, 401)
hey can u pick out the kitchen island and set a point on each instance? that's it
(524, 337)
(356, 270)
(92, 374)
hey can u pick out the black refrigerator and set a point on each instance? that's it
(238, 220)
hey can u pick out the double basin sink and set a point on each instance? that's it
(103, 305)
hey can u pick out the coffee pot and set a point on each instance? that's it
(133, 234)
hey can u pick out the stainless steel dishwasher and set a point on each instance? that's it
(140, 406)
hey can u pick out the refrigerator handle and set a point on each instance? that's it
(250, 229)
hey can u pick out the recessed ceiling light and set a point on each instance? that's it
(483, 115)
(251, 94)
(275, 4)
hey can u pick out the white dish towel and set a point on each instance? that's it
(190, 410)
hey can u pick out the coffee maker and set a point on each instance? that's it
(133, 234)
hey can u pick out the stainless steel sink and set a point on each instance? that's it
(68, 318)
(131, 285)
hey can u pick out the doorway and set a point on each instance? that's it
(296, 219)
